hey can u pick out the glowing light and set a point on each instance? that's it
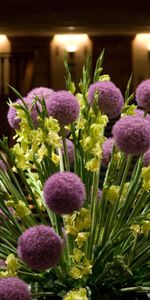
(71, 42)
(3, 39)
(144, 38)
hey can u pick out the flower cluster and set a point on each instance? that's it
(74, 205)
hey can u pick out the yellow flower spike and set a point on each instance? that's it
(53, 139)
(104, 77)
(97, 151)
(21, 209)
(145, 228)
(112, 193)
(42, 152)
(77, 255)
(92, 165)
(102, 119)
(87, 267)
(81, 238)
(146, 178)
(87, 143)
(136, 228)
(12, 265)
(80, 99)
(75, 273)
(80, 294)
(81, 123)
(55, 158)
(52, 124)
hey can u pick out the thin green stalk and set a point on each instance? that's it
(66, 159)
(93, 213)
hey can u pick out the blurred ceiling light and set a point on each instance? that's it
(71, 42)
(3, 38)
(144, 38)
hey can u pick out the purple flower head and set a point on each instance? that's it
(13, 120)
(107, 149)
(146, 158)
(142, 94)
(70, 149)
(132, 135)
(40, 92)
(140, 113)
(64, 107)
(12, 288)
(110, 99)
(40, 247)
(2, 165)
(2, 263)
(64, 192)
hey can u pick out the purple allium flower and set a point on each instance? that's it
(13, 120)
(64, 107)
(64, 192)
(2, 263)
(40, 247)
(146, 158)
(142, 94)
(110, 99)
(107, 149)
(2, 165)
(70, 149)
(12, 288)
(132, 135)
(140, 113)
(40, 92)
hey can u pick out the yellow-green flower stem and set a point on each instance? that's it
(122, 164)
(94, 204)
(144, 289)
(66, 159)
(140, 203)
(133, 187)
(44, 294)
(113, 210)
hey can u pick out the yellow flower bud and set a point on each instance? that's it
(145, 228)
(112, 193)
(80, 294)
(12, 265)
(146, 178)
(21, 209)
(77, 255)
(92, 165)
(75, 273)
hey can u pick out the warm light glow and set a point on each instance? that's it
(71, 42)
(144, 38)
(3, 39)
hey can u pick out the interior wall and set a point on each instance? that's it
(141, 62)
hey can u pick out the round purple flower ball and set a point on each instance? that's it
(140, 113)
(12, 288)
(132, 135)
(110, 99)
(40, 247)
(64, 193)
(70, 149)
(12, 118)
(146, 158)
(142, 94)
(107, 149)
(40, 92)
(64, 107)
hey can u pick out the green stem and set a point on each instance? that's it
(66, 159)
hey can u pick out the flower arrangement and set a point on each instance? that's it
(62, 232)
